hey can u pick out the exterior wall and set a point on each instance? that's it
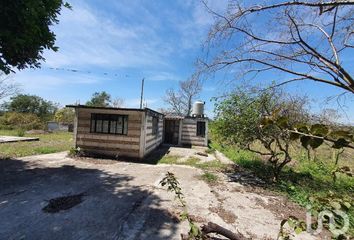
(109, 144)
(152, 141)
(189, 132)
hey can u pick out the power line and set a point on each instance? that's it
(72, 70)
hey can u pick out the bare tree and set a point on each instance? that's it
(118, 102)
(7, 86)
(306, 40)
(181, 101)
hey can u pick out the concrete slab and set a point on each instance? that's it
(8, 139)
(122, 201)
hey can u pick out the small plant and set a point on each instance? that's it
(290, 226)
(20, 132)
(73, 152)
(173, 186)
(209, 177)
(210, 150)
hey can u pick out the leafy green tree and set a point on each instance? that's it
(25, 31)
(100, 99)
(243, 119)
(65, 115)
(24, 103)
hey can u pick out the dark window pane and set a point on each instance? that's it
(125, 125)
(113, 127)
(109, 123)
(105, 126)
(201, 129)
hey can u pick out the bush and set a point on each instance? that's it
(24, 121)
(20, 132)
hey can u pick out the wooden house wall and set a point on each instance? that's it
(152, 141)
(189, 132)
(109, 144)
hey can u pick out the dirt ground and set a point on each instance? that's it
(122, 200)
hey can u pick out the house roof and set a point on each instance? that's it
(173, 115)
(113, 108)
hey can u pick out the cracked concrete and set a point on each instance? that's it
(122, 201)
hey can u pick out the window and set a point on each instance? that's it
(109, 123)
(155, 125)
(201, 129)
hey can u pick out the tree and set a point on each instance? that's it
(25, 31)
(118, 102)
(24, 103)
(306, 40)
(99, 99)
(180, 101)
(7, 88)
(25, 121)
(65, 115)
(242, 119)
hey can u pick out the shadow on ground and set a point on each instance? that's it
(111, 207)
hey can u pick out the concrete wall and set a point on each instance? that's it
(189, 132)
(152, 140)
(109, 144)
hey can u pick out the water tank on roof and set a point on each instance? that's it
(198, 109)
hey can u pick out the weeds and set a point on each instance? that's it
(306, 182)
(209, 177)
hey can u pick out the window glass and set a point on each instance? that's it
(201, 129)
(155, 125)
(98, 125)
(109, 123)
(105, 124)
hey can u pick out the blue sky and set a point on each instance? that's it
(114, 44)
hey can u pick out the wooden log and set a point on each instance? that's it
(215, 228)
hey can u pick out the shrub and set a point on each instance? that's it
(20, 132)
(24, 121)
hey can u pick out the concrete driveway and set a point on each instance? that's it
(121, 201)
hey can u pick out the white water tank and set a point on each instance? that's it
(198, 109)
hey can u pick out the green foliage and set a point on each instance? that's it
(24, 103)
(248, 116)
(25, 31)
(294, 225)
(100, 99)
(65, 115)
(74, 152)
(209, 177)
(48, 143)
(23, 121)
(20, 132)
(173, 186)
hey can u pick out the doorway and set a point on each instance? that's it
(172, 131)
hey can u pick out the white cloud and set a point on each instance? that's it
(86, 38)
(162, 76)
(33, 80)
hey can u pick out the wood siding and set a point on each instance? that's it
(189, 132)
(109, 144)
(152, 141)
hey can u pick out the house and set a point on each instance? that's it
(132, 132)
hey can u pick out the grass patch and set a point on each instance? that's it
(167, 159)
(302, 181)
(193, 162)
(209, 177)
(48, 143)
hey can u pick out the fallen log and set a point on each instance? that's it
(215, 228)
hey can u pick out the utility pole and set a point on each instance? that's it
(142, 94)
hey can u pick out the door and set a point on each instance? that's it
(171, 131)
